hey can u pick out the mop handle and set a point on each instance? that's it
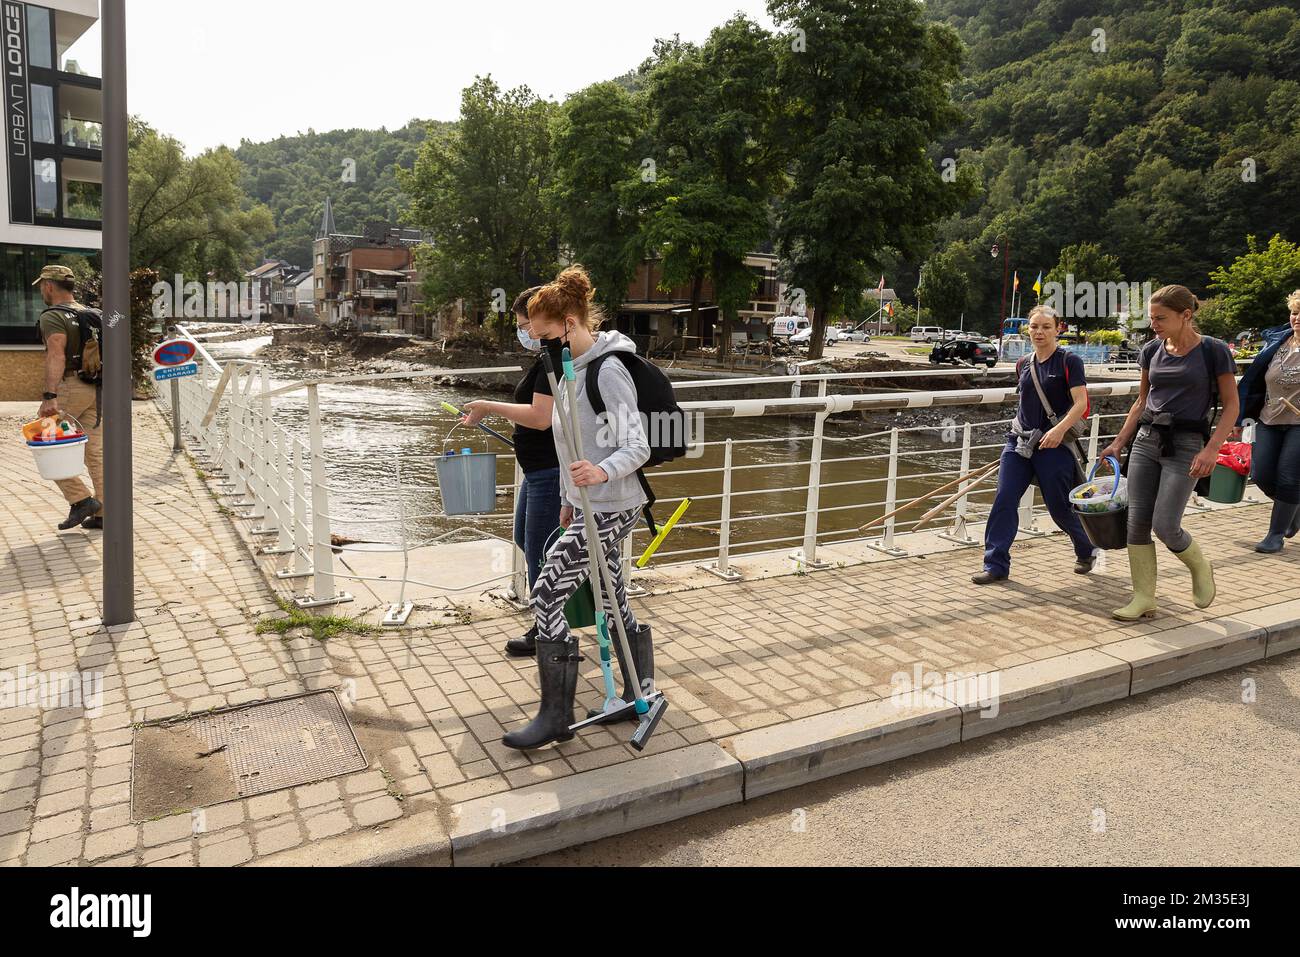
(493, 432)
(598, 567)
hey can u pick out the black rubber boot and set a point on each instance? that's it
(79, 512)
(1280, 527)
(525, 647)
(557, 674)
(643, 654)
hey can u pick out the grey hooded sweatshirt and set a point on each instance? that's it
(615, 441)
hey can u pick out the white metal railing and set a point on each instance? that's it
(277, 480)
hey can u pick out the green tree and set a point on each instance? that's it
(1090, 269)
(598, 143)
(944, 289)
(479, 195)
(189, 215)
(866, 88)
(1251, 293)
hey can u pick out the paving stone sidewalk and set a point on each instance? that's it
(431, 705)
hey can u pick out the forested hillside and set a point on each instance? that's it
(292, 176)
(1131, 140)
(1164, 131)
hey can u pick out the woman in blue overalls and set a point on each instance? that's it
(1050, 460)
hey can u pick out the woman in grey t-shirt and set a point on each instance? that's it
(1270, 393)
(1174, 445)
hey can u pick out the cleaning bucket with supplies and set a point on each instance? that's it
(58, 443)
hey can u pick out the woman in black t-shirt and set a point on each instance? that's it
(537, 510)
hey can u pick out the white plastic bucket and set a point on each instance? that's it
(64, 459)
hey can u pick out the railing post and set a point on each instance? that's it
(301, 567)
(634, 590)
(886, 543)
(518, 592)
(1028, 521)
(806, 557)
(399, 612)
(722, 567)
(1094, 438)
(322, 547)
(959, 533)
(265, 490)
(282, 499)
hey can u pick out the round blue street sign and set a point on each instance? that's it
(174, 352)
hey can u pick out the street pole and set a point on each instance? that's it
(119, 557)
(1002, 321)
(177, 445)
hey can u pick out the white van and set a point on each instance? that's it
(926, 333)
(789, 325)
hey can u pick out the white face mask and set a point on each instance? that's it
(527, 341)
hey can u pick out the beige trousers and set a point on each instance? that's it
(78, 400)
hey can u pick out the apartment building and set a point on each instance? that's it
(51, 168)
(356, 276)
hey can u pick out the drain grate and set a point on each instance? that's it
(242, 752)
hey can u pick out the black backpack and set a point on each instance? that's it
(88, 361)
(667, 427)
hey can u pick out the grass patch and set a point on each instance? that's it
(321, 627)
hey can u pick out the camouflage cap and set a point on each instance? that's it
(57, 273)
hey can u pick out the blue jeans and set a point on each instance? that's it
(1055, 471)
(537, 514)
(1275, 461)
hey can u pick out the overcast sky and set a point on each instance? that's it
(213, 73)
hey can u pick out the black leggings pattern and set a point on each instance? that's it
(567, 567)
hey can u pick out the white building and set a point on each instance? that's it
(50, 167)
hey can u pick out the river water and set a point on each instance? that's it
(370, 428)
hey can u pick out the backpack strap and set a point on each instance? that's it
(598, 406)
(1214, 382)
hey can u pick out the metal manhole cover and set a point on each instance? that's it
(241, 752)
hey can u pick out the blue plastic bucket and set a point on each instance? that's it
(468, 483)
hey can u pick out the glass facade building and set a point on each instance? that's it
(53, 173)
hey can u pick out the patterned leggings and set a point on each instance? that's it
(567, 567)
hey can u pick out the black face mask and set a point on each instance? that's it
(555, 349)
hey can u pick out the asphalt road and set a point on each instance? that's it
(1189, 775)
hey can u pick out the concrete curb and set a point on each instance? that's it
(585, 807)
(823, 745)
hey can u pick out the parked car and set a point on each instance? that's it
(964, 351)
(926, 333)
(854, 335)
(804, 336)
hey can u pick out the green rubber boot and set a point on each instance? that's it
(1142, 566)
(1203, 590)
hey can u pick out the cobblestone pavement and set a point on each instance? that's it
(430, 705)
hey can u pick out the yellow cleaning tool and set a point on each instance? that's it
(663, 533)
